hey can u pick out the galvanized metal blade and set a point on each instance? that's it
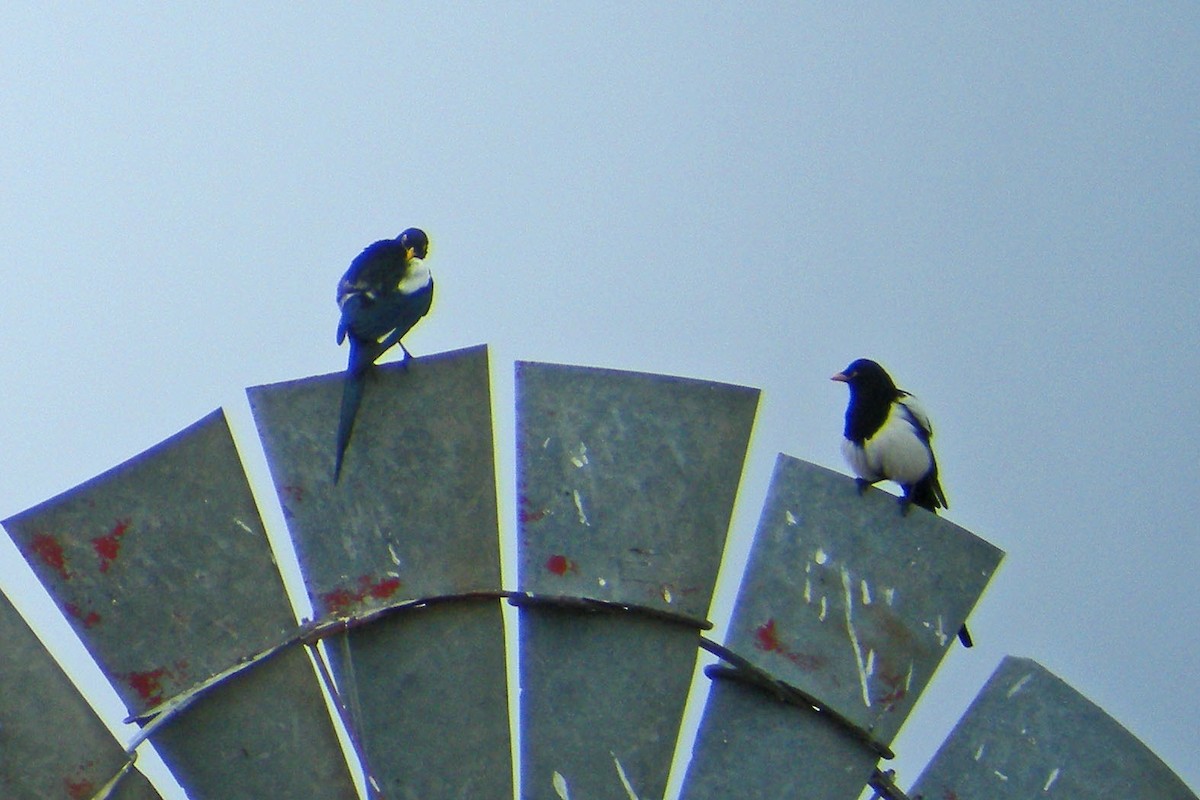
(164, 570)
(38, 704)
(1029, 734)
(412, 516)
(850, 602)
(626, 485)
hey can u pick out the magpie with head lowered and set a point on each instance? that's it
(888, 437)
(383, 294)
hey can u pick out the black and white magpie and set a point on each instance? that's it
(888, 437)
(383, 294)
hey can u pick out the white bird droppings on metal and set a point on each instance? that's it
(579, 457)
(624, 778)
(583, 520)
(1019, 685)
(560, 786)
(853, 634)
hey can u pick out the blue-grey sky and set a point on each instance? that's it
(997, 201)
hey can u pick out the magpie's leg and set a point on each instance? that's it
(862, 484)
(407, 356)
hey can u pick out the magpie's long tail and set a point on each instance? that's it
(352, 394)
(927, 493)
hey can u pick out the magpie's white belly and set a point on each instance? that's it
(896, 453)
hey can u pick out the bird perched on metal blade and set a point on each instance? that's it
(383, 294)
(888, 437)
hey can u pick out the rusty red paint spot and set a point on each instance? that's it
(561, 565)
(528, 513)
(89, 619)
(47, 548)
(382, 590)
(343, 599)
(148, 685)
(338, 600)
(807, 661)
(766, 638)
(107, 547)
(898, 689)
(81, 789)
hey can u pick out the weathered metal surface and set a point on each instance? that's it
(626, 485)
(51, 742)
(163, 568)
(602, 697)
(849, 601)
(429, 689)
(413, 516)
(1029, 734)
(263, 733)
(414, 513)
(754, 747)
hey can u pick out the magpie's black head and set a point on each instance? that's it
(868, 377)
(415, 240)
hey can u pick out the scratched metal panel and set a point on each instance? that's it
(163, 568)
(602, 697)
(849, 601)
(752, 746)
(626, 485)
(430, 693)
(413, 516)
(1029, 734)
(38, 703)
(264, 733)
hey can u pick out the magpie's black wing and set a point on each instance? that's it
(401, 312)
(382, 295)
(927, 492)
(373, 275)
